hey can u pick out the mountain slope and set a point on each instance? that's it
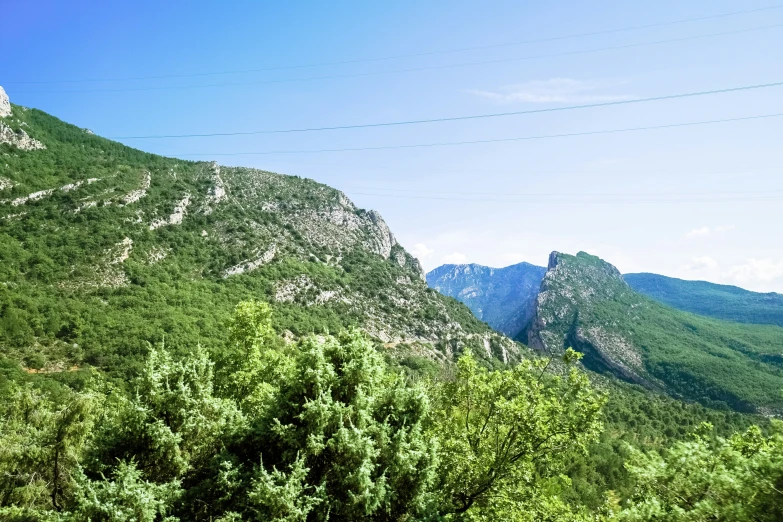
(720, 301)
(104, 249)
(585, 303)
(504, 298)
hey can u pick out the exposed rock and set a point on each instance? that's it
(250, 265)
(381, 239)
(217, 192)
(135, 195)
(5, 183)
(19, 139)
(5, 104)
(176, 217)
(123, 250)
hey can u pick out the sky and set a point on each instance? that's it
(626, 181)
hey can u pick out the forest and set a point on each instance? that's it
(327, 428)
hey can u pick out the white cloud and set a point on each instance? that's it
(755, 271)
(456, 258)
(708, 231)
(420, 251)
(554, 90)
(702, 263)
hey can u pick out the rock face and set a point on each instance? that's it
(16, 137)
(585, 303)
(5, 104)
(19, 139)
(502, 297)
(572, 289)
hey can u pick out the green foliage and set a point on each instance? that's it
(503, 435)
(737, 479)
(623, 333)
(66, 301)
(124, 498)
(317, 430)
(719, 301)
(41, 439)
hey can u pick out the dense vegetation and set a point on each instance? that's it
(132, 388)
(85, 280)
(720, 301)
(504, 298)
(587, 305)
(323, 429)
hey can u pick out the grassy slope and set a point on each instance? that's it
(725, 302)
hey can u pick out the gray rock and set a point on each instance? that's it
(5, 104)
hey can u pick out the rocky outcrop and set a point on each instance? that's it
(5, 104)
(19, 139)
(381, 239)
(573, 288)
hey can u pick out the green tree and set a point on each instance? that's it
(344, 439)
(40, 442)
(503, 435)
(703, 479)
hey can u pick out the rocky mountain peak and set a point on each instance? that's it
(552, 260)
(5, 104)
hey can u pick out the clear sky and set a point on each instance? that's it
(697, 202)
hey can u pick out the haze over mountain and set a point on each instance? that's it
(584, 302)
(720, 301)
(504, 298)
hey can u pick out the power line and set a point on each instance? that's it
(415, 69)
(458, 118)
(499, 140)
(413, 55)
(569, 194)
(601, 201)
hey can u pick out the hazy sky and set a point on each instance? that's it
(697, 202)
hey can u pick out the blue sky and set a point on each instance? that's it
(698, 202)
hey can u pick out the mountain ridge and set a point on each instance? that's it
(502, 297)
(726, 302)
(166, 247)
(585, 303)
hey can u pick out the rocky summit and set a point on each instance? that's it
(585, 303)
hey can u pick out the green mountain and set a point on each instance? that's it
(105, 249)
(585, 303)
(502, 297)
(720, 301)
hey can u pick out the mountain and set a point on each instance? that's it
(585, 303)
(105, 249)
(720, 301)
(504, 298)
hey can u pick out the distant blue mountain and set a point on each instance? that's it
(504, 298)
(720, 301)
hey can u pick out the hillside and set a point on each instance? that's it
(105, 249)
(720, 301)
(585, 303)
(502, 297)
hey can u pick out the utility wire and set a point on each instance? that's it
(413, 55)
(570, 194)
(415, 69)
(602, 201)
(499, 140)
(457, 118)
